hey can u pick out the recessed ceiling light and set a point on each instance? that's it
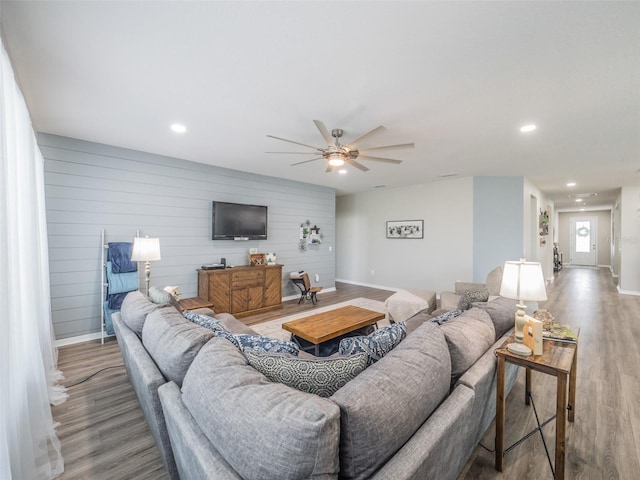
(571, 184)
(582, 209)
(578, 200)
(342, 171)
(528, 128)
(178, 128)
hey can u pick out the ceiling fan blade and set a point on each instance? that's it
(297, 143)
(329, 168)
(388, 147)
(307, 161)
(358, 165)
(379, 159)
(359, 140)
(295, 153)
(325, 133)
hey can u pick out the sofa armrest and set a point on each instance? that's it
(449, 301)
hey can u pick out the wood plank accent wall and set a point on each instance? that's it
(90, 186)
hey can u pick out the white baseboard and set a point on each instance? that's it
(628, 292)
(79, 339)
(370, 285)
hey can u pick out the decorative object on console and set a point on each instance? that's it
(256, 259)
(533, 335)
(146, 250)
(405, 229)
(271, 258)
(522, 280)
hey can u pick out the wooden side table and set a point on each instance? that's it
(193, 303)
(558, 359)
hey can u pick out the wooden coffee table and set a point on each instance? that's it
(328, 325)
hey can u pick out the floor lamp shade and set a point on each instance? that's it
(146, 250)
(523, 281)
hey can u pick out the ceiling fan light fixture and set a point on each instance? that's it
(336, 159)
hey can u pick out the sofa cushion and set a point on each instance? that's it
(263, 429)
(320, 376)
(502, 312)
(377, 344)
(470, 296)
(448, 301)
(383, 406)
(173, 342)
(134, 310)
(468, 336)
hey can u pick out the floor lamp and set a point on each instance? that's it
(522, 280)
(146, 250)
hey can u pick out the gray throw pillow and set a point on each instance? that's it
(377, 344)
(322, 376)
(158, 296)
(470, 296)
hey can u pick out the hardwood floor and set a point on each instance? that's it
(104, 435)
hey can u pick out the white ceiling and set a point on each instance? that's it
(456, 78)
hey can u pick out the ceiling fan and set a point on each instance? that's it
(337, 154)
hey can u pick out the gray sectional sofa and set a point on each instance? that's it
(417, 413)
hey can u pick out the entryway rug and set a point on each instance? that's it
(274, 329)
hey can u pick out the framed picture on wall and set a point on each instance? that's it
(405, 229)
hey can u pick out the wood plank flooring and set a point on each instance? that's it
(104, 434)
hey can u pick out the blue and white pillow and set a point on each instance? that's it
(377, 344)
(204, 321)
(445, 317)
(258, 343)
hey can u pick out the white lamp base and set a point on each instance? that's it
(519, 349)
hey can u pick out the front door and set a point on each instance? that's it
(584, 244)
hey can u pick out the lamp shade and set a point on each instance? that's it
(145, 249)
(523, 281)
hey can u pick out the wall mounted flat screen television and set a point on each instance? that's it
(236, 221)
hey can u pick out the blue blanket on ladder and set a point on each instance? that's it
(119, 254)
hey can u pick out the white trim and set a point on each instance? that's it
(628, 292)
(80, 339)
(370, 285)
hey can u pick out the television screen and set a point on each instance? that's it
(235, 221)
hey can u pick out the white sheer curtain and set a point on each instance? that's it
(29, 447)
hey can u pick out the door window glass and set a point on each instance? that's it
(583, 237)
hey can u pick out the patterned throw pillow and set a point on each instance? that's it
(471, 296)
(204, 321)
(158, 296)
(321, 377)
(445, 317)
(258, 343)
(375, 345)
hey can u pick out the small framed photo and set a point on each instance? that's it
(405, 229)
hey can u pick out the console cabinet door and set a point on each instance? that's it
(273, 286)
(219, 292)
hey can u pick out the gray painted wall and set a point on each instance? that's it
(364, 255)
(498, 211)
(90, 187)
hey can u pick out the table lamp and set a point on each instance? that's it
(523, 281)
(146, 250)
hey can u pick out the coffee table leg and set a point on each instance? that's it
(527, 387)
(500, 405)
(317, 350)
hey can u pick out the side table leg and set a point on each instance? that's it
(527, 386)
(573, 375)
(500, 408)
(561, 405)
